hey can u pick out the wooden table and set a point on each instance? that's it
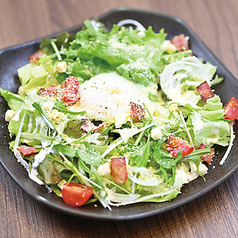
(213, 215)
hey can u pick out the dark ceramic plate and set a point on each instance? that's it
(14, 57)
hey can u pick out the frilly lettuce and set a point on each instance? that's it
(209, 125)
(42, 74)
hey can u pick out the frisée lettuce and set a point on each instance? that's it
(119, 111)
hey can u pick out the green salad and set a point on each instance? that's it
(120, 117)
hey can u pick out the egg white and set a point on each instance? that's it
(107, 97)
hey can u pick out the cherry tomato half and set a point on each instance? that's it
(175, 144)
(76, 194)
(231, 109)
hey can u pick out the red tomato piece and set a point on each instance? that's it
(231, 109)
(76, 194)
(27, 150)
(180, 42)
(205, 91)
(35, 57)
(207, 157)
(137, 111)
(70, 89)
(118, 170)
(49, 91)
(175, 144)
(202, 146)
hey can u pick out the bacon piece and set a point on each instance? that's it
(207, 157)
(137, 111)
(49, 91)
(180, 42)
(205, 91)
(175, 144)
(100, 127)
(70, 89)
(35, 57)
(118, 170)
(27, 150)
(88, 126)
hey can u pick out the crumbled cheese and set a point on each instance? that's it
(9, 115)
(48, 106)
(194, 174)
(203, 168)
(156, 133)
(21, 91)
(168, 47)
(57, 116)
(62, 67)
(104, 170)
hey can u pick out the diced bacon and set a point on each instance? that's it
(137, 111)
(70, 89)
(27, 150)
(35, 57)
(180, 42)
(205, 91)
(175, 144)
(119, 170)
(207, 157)
(100, 127)
(88, 126)
(49, 91)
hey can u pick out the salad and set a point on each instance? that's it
(120, 117)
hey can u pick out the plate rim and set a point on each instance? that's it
(83, 214)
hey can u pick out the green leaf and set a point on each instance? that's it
(209, 126)
(165, 198)
(59, 106)
(49, 171)
(46, 47)
(62, 40)
(167, 163)
(14, 101)
(90, 27)
(141, 157)
(90, 155)
(65, 150)
(44, 115)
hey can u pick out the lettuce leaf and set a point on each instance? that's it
(14, 101)
(209, 126)
(42, 74)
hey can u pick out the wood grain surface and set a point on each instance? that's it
(213, 215)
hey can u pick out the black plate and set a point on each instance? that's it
(14, 57)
